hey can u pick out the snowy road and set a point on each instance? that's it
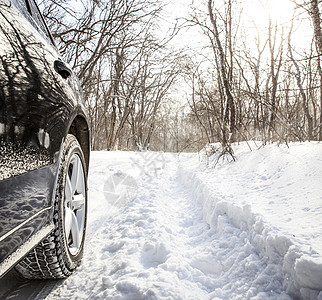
(147, 240)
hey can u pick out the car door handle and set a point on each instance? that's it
(61, 68)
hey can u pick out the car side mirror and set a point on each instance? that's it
(61, 68)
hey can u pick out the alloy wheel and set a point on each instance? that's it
(74, 204)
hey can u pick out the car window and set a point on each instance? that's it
(33, 9)
(23, 8)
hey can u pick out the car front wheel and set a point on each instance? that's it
(61, 252)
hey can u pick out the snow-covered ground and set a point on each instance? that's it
(167, 226)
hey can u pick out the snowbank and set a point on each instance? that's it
(274, 195)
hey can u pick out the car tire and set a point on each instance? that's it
(61, 252)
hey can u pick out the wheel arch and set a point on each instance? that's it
(79, 128)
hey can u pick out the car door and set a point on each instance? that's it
(37, 103)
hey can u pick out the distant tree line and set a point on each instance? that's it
(272, 92)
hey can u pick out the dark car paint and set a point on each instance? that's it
(38, 107)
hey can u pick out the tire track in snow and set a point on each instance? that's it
(158, 247)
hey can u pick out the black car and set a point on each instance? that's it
(44, 149)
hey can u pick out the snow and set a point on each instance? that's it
(168, 226)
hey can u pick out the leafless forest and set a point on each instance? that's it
(145, 91)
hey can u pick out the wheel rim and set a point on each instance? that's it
(75, 198)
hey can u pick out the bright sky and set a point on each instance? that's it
(280, 11)
(255, 13)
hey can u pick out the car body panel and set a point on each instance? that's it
(37, 108)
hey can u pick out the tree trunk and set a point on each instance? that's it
(315, 15)
(229, 113)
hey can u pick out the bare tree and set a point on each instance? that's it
(229, 113)
(110, 45)
(301, 88)
(316, 18)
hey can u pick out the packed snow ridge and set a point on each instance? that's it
(274, 195)
(167, 226)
